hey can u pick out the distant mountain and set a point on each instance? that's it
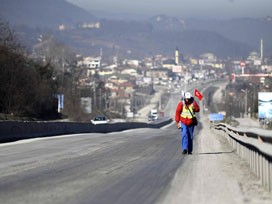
(102, 14)
(42, 13)
(166, 23)
(247, 31)
(136, 38)
(133, 39)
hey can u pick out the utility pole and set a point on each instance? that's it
(100, 99)
(245, 91)
(246, 103)
(261, 50)
(94, 93)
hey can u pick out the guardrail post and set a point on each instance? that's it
(270, 176)
(248, 151)
(260, 166)
(237, 147)
(255, 162)
(262, 171)
(266, 180)
(251, 160)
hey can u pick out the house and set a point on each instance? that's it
(169, 63)
(159, 73)
(129, 71)
(105, 72)
(112, 85)
(132, 63)
(90, 25)
(127, 87)
(90, 62)
(208, 58)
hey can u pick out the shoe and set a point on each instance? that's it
(190, 153)
(184, 151)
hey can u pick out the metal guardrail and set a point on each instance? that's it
(254, 146)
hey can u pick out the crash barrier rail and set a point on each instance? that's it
(254, 146)
(12, 130)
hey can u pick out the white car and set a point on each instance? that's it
(100, 120)
(152, 117)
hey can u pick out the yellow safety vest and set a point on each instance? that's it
(186, 113)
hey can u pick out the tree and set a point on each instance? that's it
(26, 88)
(8, 38)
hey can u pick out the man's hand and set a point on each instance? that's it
(178, 125)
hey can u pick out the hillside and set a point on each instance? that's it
(247, 31)
(244, 30)
(42, 13)
(144, 39)
(137, 38)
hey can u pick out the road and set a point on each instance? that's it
(143, 166)
(140, 166)
(129, 167)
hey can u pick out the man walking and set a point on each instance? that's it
(185, 111)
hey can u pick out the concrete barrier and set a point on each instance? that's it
(14, 130)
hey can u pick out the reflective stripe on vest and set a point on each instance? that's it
(186, 113)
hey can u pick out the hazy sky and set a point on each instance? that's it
(183, 8)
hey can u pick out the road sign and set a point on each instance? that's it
(242, 64)
(176, 69)
(60, 102)
(216, 117)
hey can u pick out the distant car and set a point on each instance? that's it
(100, 120)
(152, 117)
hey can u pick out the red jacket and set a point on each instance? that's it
(186, 121)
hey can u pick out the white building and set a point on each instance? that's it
(132, 72)
(132, 63)
(90, 62)
(90, 25)
(208, 58)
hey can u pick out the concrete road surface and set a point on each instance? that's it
(140, 166)
(127, 167)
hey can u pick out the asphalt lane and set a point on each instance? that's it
(134, 166)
